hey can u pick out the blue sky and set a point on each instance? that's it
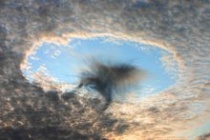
(63, 62)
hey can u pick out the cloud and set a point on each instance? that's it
(181, 28)
(204, 137)
(110, 77)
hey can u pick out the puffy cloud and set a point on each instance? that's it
(181, 28)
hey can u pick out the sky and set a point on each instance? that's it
(65, 62)
(180, 27)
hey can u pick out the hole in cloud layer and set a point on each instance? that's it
(58, 66)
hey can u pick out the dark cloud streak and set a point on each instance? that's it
(110, 77)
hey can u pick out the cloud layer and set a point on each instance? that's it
(181, 28)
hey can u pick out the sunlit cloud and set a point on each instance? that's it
(180, 28)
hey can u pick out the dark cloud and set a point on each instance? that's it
(107, 77)
(204, 137)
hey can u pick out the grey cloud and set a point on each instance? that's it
(204, 137)
(184, 25)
